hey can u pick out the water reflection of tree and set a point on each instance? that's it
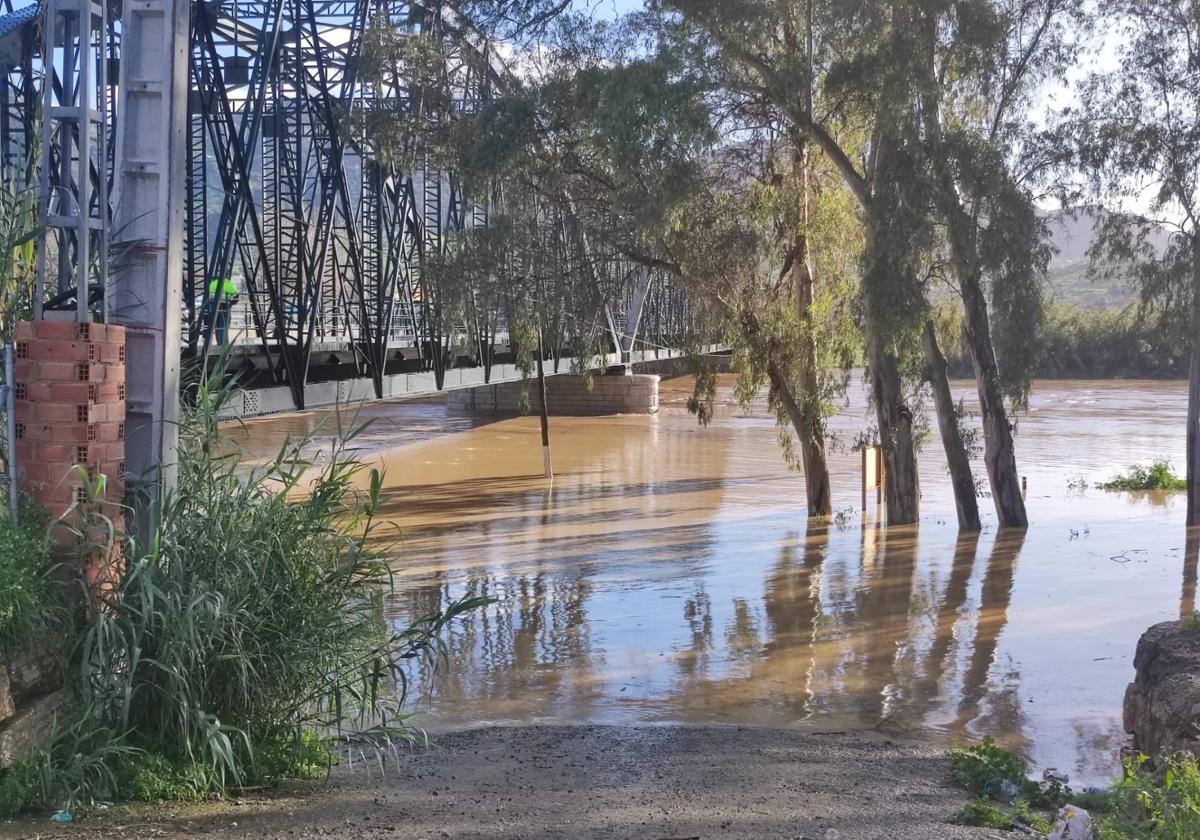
(882, 610)
(1191, 557)
(1004, 710)
(937, 659)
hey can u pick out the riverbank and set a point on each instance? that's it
(651, 783)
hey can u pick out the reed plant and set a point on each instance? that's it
(255, 616)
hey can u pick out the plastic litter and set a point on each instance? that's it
(62, 816)
(1051, 774)
(1072, 824)
(1002, 790)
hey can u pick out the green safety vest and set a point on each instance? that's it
(228, 290)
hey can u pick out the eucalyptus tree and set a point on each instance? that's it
(1138, 134)
(980, 64)
(840, 75)
(652, 161)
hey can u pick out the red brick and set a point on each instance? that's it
(89, 453)
(36, 392)
(114, 451)
(56, 330)
(33, 471)
(26, 451)
(25, 331)
(72, 392)
(111, 354)
(62, 493)
(108, 432)
(55, 453)
(25, 370)
(90, 372)
(115, 333)
(23, 412)
(56, 372)
(114, 373)
(56, 412)
(63, 351)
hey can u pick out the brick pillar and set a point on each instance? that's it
(70, 412)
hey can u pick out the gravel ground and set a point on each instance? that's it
(648, 783)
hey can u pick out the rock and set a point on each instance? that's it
(31, 724)
(1162, 704)
(35, 671)
(8, 706)
(1072, 824)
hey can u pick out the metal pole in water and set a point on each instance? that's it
(549, 470)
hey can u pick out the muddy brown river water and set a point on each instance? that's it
(669, 574)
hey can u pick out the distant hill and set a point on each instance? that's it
(1072, 234)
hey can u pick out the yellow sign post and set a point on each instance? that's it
(872, 474)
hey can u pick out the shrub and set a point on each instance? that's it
(27, 602)
(1155, 807)
(974, 766)
(1156, 476)
(255, 616)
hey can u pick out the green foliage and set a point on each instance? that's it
(256, 613)
(1026, 815)
(1163, 806)
(306, 757)
(146, 777)
(28, 601)
(1139, 477)
(984, 814)
(974, 766)
(18, 230)
(1190, 623)
(1078, 342)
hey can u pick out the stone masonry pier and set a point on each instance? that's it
(568, 395)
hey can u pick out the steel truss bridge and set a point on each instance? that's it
(286, 189)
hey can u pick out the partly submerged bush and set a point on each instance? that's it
(254, 616)
(1156, 476)
(1162, 806)
(27, 599)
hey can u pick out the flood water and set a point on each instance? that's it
(669, 574)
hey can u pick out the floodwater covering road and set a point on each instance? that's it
(669, 574)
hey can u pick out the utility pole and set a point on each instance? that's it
(146, 291)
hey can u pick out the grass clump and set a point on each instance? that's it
(983, 814)
(1157, 476)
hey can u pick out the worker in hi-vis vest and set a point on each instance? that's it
(222, 295)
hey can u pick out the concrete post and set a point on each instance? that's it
(146, 289)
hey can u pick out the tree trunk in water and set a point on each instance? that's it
(812, 447)
(1193, 416)
(895, 434)
(999, 454)
(810, 425)
(965, 501)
